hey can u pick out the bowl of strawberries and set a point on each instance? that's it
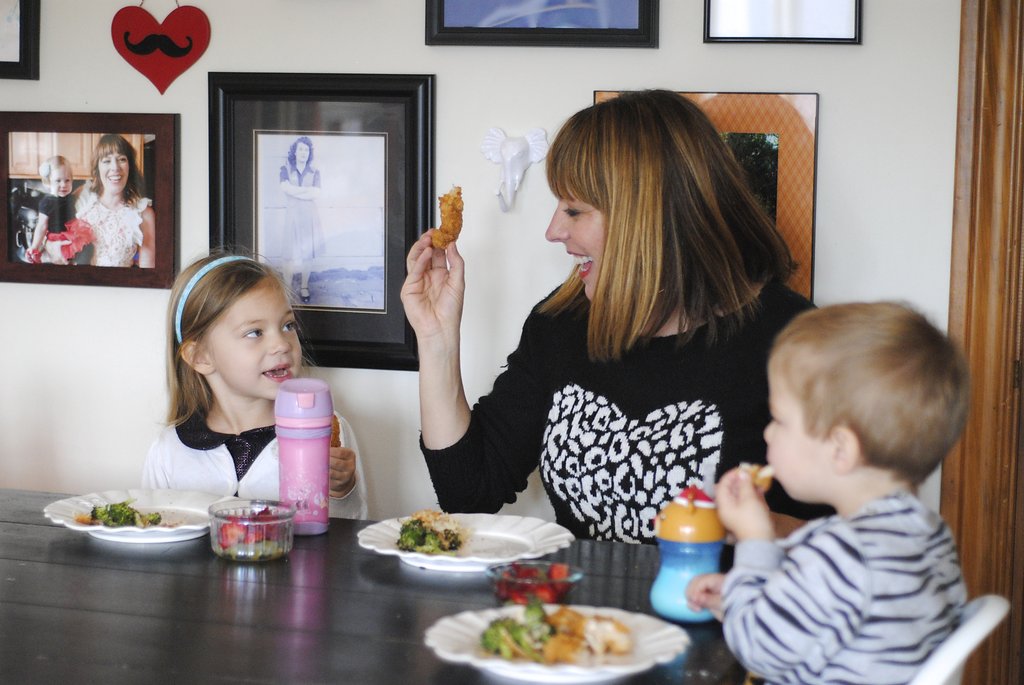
(251, 530)
(521, 581)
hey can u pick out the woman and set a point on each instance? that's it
(300, 182)
(644, 372)
(113, 205)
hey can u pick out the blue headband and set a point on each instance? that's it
(192, 283)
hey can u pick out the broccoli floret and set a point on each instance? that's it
(417, 536)
(494, 637)
(535, 622)
(510, 639)
(144, 520)
(121, 514)
(412, 535)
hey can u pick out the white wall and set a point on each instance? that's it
(83, 388)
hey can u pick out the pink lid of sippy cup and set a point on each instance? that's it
(303, 403)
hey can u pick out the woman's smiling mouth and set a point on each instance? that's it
(584, 264)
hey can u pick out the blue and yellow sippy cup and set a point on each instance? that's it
(690, 539)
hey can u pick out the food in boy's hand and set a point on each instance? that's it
(335, 432)
(565, 636)
(760, 476)
(520, 582)
(451, 218)
(118, 515)
(430, 532)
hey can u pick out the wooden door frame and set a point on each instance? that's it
(981, 479)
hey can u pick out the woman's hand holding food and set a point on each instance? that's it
(433, 294)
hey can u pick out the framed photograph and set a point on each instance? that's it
(773, 136)
(19, 39)
(782, 21)
(328, 178)
(90, 198)
(596, 23)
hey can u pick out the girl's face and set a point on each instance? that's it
(799, 459)
(580, 227)
(113, 172)
(60, 181)
(251, 349)
(301, 153)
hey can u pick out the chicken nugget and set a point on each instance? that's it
(761, 476)
(451, 218)
(335, 432)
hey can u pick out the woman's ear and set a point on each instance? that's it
(847, 451)
(196, 357)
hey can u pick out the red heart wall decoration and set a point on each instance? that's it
(161, 51)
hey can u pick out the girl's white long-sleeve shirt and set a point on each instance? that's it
(172, 464)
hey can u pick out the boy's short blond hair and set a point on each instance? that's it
(882, 370)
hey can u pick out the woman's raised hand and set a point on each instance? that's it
(433, 292)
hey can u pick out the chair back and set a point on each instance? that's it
(945, 666)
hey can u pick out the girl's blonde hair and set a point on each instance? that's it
(205, 300)
(685, 235)
(47, 168)
(881, 370)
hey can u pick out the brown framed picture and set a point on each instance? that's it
(19, 39)
(329, 179)
(773, 136)
(90, 198)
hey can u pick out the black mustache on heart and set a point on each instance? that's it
(158, 41)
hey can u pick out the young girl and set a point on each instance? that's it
(114, 205)
(233, 341)
(55, 210)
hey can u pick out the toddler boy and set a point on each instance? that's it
(866, 400)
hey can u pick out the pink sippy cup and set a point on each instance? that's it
(303, 412)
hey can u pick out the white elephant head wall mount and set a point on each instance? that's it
(515, 155)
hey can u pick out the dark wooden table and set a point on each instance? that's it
(75, 609)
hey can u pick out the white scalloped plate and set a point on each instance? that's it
(492, 539)
(457, 639)
(184, 513)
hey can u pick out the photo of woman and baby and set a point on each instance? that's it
(81, 198)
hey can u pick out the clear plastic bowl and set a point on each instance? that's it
(520, 581)
(251, 530)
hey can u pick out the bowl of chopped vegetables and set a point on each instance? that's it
(251, 530)
(520, 581)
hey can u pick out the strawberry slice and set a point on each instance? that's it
(230, 534)
(558, 571)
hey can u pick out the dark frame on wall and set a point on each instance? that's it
(643, 35)
(27, 64)
(758, 21)
(29, 138)
(374, 131)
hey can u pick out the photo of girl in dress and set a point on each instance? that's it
(320, 205)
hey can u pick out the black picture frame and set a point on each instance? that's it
(29, 138)
(644, 36)
(249, 112)
(27, 64)
(765, 33)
